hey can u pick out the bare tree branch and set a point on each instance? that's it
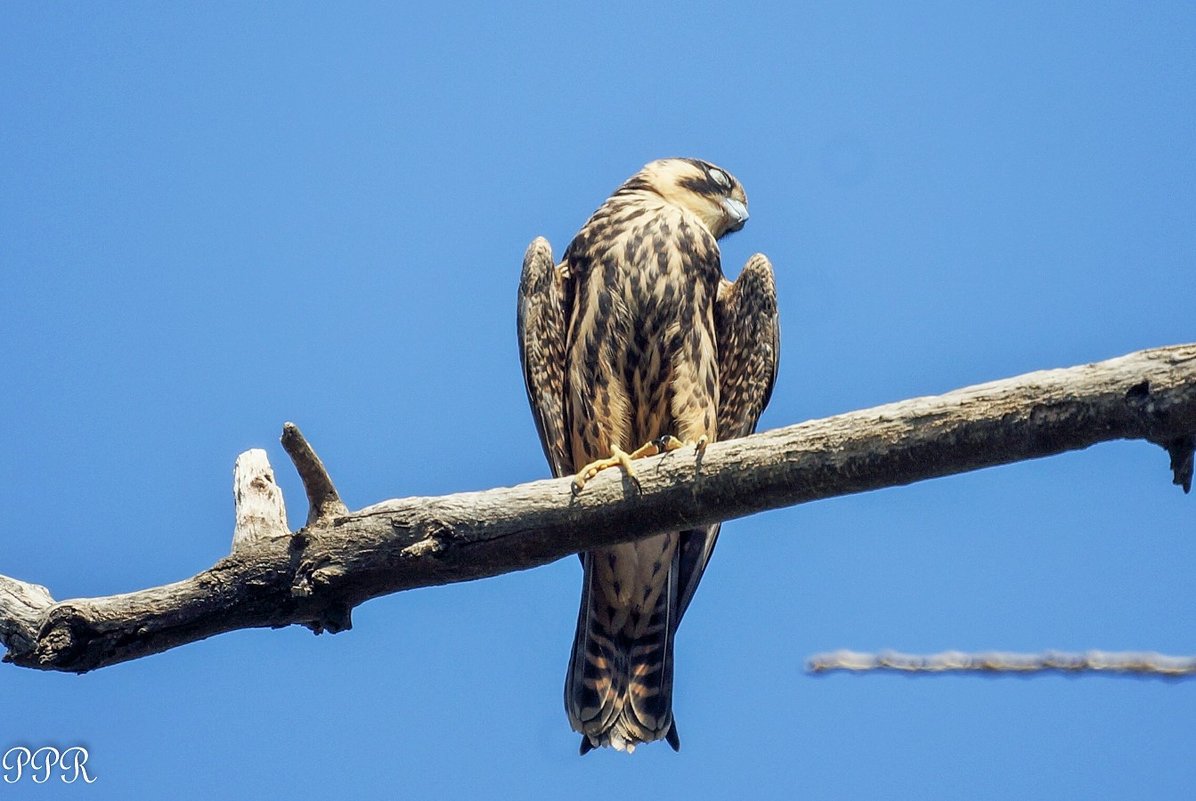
(341, 558)
(1129, 664)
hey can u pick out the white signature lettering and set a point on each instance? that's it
(39, 765)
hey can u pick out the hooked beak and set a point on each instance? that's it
(737, 213)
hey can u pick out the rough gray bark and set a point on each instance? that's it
(342, 558)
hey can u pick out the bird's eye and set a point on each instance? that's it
(720, 178)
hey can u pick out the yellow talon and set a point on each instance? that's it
(620, 458)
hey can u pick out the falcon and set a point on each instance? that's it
(632, 345)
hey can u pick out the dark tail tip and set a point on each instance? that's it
(672, 738)
(586, 746)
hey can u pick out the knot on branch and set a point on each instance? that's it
(1141, 398)
(63, 642)
(1182, 451)
(318, 583)
(433, 538)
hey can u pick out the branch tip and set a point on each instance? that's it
(260, 510)
(23, 607)
(323, 499)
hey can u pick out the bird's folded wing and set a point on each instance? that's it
(542, 320)
(748, 337)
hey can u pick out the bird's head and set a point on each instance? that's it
(709, 192)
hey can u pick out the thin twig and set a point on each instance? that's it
(1147, 664)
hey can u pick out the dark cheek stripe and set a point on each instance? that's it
(702, 186)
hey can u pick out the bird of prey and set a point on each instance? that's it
(632, 345)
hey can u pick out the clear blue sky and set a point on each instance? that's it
(215, 218)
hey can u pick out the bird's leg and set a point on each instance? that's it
(620, 458)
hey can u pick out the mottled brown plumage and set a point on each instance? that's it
(634, 336)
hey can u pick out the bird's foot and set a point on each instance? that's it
(620, 458)
(668, 443)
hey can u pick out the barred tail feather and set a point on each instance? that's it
(619, 688)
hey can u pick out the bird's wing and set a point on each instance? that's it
(748, 337)
(749, 343)
(542, 320)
